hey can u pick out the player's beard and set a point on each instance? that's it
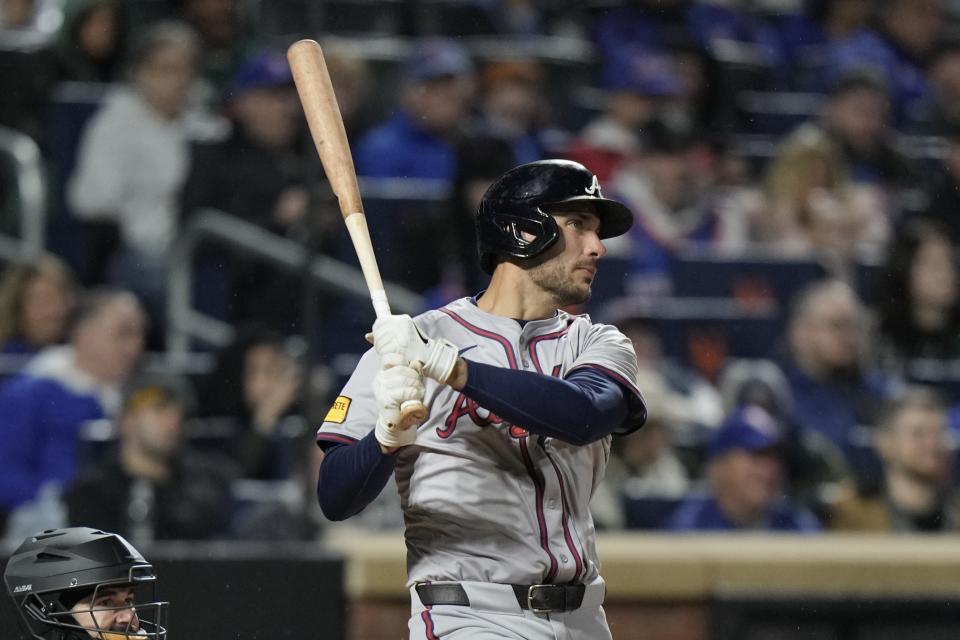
(551, 277)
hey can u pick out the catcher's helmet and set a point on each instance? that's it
(521, 200)
(53, 570)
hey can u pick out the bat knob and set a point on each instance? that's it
(412, 413)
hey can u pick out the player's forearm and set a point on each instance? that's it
(351, 477)
(581, 409)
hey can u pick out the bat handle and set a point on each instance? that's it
(380, 305)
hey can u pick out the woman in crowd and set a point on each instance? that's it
(919, 301)
(254, 386)
(813, 207)
(36, 299)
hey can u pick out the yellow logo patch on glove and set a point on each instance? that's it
(338, 412)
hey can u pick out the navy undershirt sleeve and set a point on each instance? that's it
(351, 476)
(580, 409)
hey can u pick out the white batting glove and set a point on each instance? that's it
(391, 388)
(398, 341)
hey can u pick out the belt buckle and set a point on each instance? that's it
(530, 593)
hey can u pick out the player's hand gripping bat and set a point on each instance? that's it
(326, 127)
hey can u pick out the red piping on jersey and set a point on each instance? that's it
(547, 336)
(335, 437)
(566, 531)
(611, 373)
(507, 347)
(541, 517)
(428, 623)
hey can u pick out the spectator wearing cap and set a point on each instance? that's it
(637, 81)
(810, 30)
(258, 173)
(745, 481)
(917, 494)
(669, 189)
(45, 406)
(898, 48)
(417, 141)
(154, 486)
(727, 36)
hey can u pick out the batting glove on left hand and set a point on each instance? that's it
(399, 342)
(391, 388)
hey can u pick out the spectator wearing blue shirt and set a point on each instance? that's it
(809, 33)
(417, 141)
(45, 406)
(836, 397)
(899, 50)
(745, 473)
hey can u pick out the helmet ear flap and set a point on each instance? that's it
(524, 232)
(34, 606)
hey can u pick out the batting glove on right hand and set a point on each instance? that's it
(398, 341)
(391, 388)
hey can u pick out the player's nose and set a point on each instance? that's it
(594, 246)
(128, 619)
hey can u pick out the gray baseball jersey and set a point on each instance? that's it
(484, 500)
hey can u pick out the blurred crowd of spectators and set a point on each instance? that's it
(814, 143)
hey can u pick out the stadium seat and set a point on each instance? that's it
(703, 332)
(750, 279)
(80, 243)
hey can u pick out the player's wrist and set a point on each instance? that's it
(459, 375)
(391, 437)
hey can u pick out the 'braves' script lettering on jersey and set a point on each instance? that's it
(464, 406)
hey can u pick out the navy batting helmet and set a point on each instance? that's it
(520, 202)
(52, 571)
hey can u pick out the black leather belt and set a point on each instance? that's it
(539, 598)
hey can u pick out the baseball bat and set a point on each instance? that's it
(319, 102)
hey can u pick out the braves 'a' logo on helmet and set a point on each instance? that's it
(594, 188)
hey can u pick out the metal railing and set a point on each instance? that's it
(28, 176)
(184, 322)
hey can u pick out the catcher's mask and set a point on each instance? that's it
(81, 583)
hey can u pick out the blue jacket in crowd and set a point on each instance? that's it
(702, 513)
(43, 410)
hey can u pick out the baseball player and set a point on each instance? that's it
(523, 398)
(81, 583)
